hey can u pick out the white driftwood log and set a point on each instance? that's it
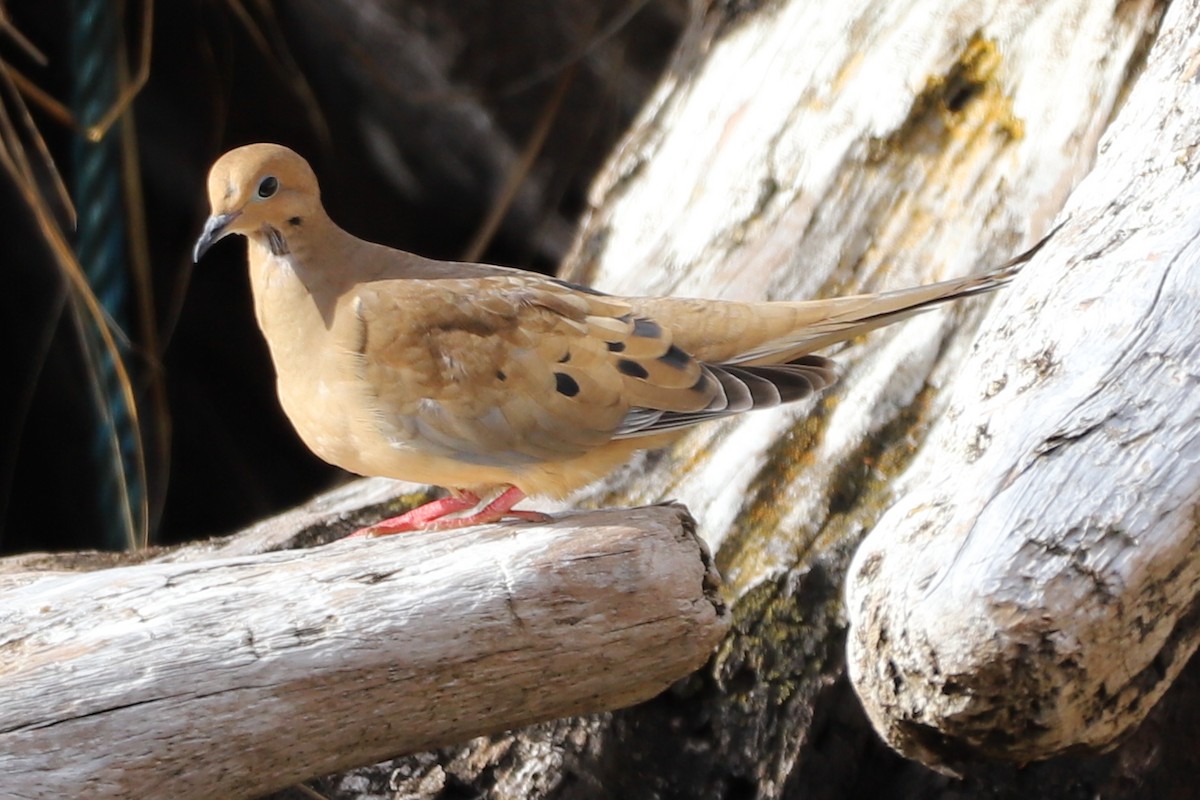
(823, 148)
(1037, 587)
(233, 677)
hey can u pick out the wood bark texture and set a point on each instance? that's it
(1035, 589)
(235, 676)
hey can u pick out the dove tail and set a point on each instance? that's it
(738, 389)
(819, 324)
(782, 369)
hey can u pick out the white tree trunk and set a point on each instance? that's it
(232, 677)
(1035, 589)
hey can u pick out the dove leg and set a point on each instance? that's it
(494, 511)
(432, 515)
(420, 517)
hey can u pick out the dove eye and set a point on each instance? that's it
(268, 186)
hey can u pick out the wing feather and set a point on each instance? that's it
(511, 371)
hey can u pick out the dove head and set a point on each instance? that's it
(262, 191)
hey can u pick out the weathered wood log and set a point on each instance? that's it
(1037, 587)
(802, 149)
(321, 520)
(797, 160)
(235, 676)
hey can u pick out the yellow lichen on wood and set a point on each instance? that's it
(952, 146)
(742, 554)
(859, 498)
(857, 494)
(960, 105)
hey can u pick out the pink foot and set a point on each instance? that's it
(432, 516)
(494, 511)
(419, 517)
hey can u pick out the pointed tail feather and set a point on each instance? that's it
(784, 369)
(860, 314)
(740, 388)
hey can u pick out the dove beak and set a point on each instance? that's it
(215, 229)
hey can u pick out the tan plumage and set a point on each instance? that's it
(477, 377)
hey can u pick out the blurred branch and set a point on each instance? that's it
(266, 36)
(17, 126)
(520, 169)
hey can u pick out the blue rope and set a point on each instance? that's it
(100, 248)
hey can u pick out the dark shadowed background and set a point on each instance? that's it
(416, 116)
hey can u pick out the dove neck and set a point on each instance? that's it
(299, 274)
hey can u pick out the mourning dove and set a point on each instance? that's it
(498, 383)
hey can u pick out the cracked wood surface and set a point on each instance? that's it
(1037, 587)
(234, 676)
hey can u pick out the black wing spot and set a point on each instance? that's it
(632, 369)
(565, 384)
(616, 347)
(674, 357)
(500, 376)
(646, 328)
